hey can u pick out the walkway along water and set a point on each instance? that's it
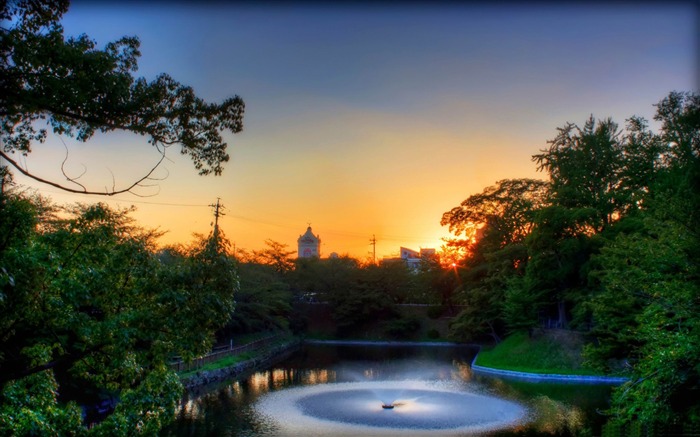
(268, 350)
(179, 365)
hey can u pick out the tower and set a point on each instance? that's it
(309, 245)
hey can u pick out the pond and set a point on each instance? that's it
(334, 390)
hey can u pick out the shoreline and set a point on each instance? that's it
(387, 343)
(267, 358)
(554, 377)
(275, 354)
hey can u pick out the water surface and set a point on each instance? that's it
(338, 390)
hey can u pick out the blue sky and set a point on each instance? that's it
(370, 120)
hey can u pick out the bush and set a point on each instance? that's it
(435, 311)
(433, 334)
(402, 329)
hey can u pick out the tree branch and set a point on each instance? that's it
(128, 189)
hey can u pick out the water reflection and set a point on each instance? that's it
(557, 409)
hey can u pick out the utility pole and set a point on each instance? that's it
(373, 242)
(218, 207)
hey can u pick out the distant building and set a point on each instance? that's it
(309, 245)
(427, 253)
(411, 257)
(407, 253)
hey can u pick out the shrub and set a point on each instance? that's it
(435, 311)
(401, 329)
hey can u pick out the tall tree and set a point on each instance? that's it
(647, 310)
(263, 302)
(500, 214)
(87, 309)
(494, 225)
(79, 90)
(586, 167)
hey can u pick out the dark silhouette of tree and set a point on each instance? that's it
(494, 225)
(78, 89)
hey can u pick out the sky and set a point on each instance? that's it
(369, 120)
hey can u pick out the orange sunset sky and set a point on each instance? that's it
(370, 120)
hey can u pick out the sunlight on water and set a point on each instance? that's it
(319, 377)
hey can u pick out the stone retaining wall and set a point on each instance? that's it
(265, 359)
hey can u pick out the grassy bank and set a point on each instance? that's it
(547, 354)
(232, 360)
(218, 364)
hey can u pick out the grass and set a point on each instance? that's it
(232, 360)
(228, 361)
(521, 353)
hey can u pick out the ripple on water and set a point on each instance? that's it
(356, 409)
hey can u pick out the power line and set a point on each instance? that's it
(386, 238)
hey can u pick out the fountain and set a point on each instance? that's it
(339, 391)
(408, 407)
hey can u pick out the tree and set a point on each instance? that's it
(275, 255)
(501, 213)
(87, 310)
(263, 302)
(425, 286)
(649, 316)
(79, 90)
(648, 306)
(587, 168)
(495, 224)
(319, 280)
(584, 166)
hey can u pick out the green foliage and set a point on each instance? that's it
(318, 280)
(495, 224)
(435, 311)
(612, 248)
(29, 406)
(79, 89)
(433, 334)
(584, 165)
(263, 302)
(218, 364)
(88, 308)
(402, 328)
(352, 310)
(522, 305)
(648, 304)
(652, 320)
(543, 354)
(146, 408)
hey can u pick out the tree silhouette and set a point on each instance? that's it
(78, 90)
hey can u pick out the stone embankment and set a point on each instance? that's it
(263, 359)
(593, 379)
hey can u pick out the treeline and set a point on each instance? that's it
(273, 280)
(608, 245)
